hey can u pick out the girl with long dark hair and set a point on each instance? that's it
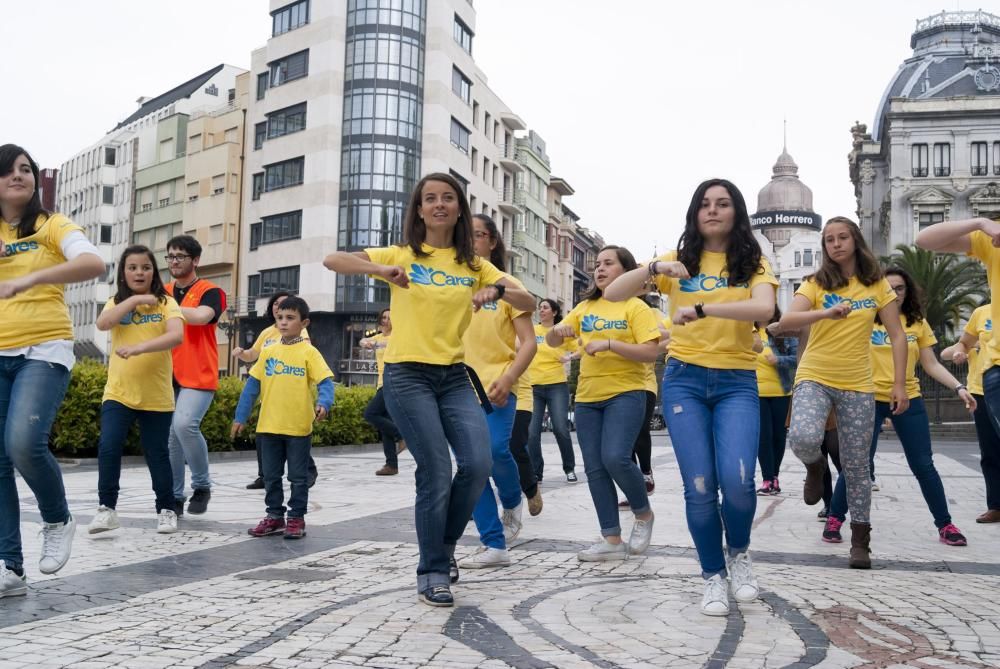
(839, 304)
(145, 323)
(39, 253)
(912, 426)
(436, 282)
(719, 283)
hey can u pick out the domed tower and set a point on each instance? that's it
(788, 228)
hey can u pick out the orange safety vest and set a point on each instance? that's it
(196, 360)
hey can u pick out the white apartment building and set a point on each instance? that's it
(95, 189)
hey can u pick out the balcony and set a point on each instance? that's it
(513, 121)
(511, 200)
(508, 157)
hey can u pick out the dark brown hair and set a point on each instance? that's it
(627, 260)
(156, 287)
(9, 153)
(742, 253)
(415, 231)
(498, 254)
(866, 267)
(913, 304)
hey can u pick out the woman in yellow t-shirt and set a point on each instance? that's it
(839, 304)
(618, 337)
(145, 323)
(267, 337)
(912, 426)
(718, 283)
(375, 412)
(551, 391)
(39, 253)
(774, 400)
(436, 281)
(976, 336)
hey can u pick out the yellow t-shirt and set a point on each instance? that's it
(980, 326)
(546, 367)
(606, 374)
(982, 249)
(838, 353)
(39, 314)
(145, 382)
(490, 341)
(432, 314)
(719, 343)
(525, 395)
(381, 341)
(287, 373)
(768, 381)
(649, 377)
(918, 336)
(270, 335)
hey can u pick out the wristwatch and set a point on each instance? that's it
(699, 309)
(960, 387)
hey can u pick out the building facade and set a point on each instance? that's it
(934, 150)
(787, 228)
(528, 249)
(47, 188)
(559, 235)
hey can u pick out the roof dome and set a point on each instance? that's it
(785, 192)
(955, 54)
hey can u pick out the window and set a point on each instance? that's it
(259, 133)
(461, 86)
(807, 257)
(218, 184)
(459, 136)
(930, 218)
(475, 161)
(942, 160)
(798, 259)
(284, 174)
(382, 111)
(996, 157)
(385, 56)
(261, 85)
(108, 194)
(475, 115)
(270, 281)
(462, 180)
(919, 160)
(286, 121)
(105, 234)
(979, 159)
(289, 68)
(165, 201)
(258, 185)
(289, 17)
(486, 123)
(281, 227)
(109, 156)
(463, 36)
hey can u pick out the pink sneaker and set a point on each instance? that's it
(268, 526)
(950, 535)
(765, 488)
(831, 532)
(775, 488)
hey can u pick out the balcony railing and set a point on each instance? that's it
(979, 170)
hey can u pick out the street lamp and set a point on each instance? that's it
(230, 326)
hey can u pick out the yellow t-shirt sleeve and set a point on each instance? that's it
(384, 255)
(972, 327)
(764, 274)
(58, 227)
(318, 369)
(981, 246)
(257, 371)
(172, 310)
(110, 304)
(884, 294)
(809, 289)
(926, 337)
(664, 283)
(572, 319)
(571, 345)
(489, 274)
(643, 321)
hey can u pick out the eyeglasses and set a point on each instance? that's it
(177, 258)
(481, 234)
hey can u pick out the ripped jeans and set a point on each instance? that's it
(714, 420)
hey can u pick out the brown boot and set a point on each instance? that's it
(387, 471)
(861, 554)
(812, 491)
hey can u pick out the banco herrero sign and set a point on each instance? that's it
(774, 219)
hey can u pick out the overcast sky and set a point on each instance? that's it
(637, 101)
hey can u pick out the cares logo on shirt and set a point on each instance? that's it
(275, 367)
(539, 339)
(490, 306)
(592, 323)
(707, 283)
(427, 276)
(832, 300)
(135, 318)
(880, 338)
(13, 248)
(988, 325)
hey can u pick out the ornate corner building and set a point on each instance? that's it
(934, 150)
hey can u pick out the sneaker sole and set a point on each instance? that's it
(617, 557)
(171, 530)
(833, 541)
(482, 565)
(266, 534)
(293, 537)
(952, 543)
(429, 602)
(715, 614)
(17, 592)
(747, 600)
(99, 530)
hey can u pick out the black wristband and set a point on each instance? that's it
(651, 267)
(501, 289)
(699, 309)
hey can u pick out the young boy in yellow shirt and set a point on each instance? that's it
(283, 376)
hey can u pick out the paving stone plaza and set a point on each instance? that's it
(211, 596)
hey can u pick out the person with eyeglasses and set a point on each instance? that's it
(196, 370)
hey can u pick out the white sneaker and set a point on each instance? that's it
(603, 551)
(511, 519)
(742, 580)
(57, 543)
(875, 485)
(12, 585)
(166, 522)
(715, 601)
(104, 520)
(485, 558)
(642, 531)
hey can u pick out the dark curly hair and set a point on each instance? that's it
(557, 314)
(913, 304)
(743, 252)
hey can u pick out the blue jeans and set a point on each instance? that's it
(187, 443)
(501, 423)
(773, 412)
(989, 452)
(606, 431)
(434, 406)
(990, 449)
(30, 394)
(714, 420)
(556, 397)
(154, 428)
(378, 416)
(275, 451)
(914, 433)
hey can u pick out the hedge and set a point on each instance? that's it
(77, 426)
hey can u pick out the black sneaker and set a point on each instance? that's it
(437, 595)
(258, 484)
(571, 477)
(453, 569)
(179, 506)
(824, 512)
(199, 501)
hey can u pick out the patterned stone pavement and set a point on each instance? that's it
(211, 596)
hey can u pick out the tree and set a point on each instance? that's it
(953, 286)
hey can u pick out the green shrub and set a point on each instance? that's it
(346, 423)
(77, 427)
